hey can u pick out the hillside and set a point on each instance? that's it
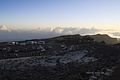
(103, 37)
(68, 57)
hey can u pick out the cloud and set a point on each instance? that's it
(57, 30)
(5, 34)
(116, 34)
(75, 30)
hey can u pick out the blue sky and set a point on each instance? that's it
(59, 11)
(34, 14)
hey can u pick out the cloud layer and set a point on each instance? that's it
(7, 34)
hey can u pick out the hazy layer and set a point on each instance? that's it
(10, 32)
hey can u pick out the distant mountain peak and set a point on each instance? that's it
(4, 28)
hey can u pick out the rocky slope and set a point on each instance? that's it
(70, 57)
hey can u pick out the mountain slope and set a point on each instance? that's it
(104, 37)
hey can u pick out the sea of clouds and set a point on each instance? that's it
(7, 34)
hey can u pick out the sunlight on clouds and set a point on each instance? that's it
(28, 26)
(67, 28)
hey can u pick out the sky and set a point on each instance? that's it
(50, 15)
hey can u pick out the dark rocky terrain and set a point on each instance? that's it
(69, 57)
